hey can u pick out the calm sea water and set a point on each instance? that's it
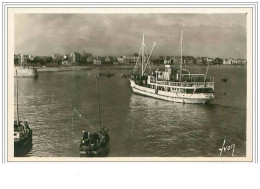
(138, 126)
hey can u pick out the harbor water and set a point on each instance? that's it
(138, 126)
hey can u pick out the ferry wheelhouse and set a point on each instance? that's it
(172, 84)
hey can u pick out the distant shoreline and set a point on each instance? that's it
(63, 69)
(126, 66)
(78, 68)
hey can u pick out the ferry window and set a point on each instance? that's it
(189, 91)
(204, 90)
(182, 90)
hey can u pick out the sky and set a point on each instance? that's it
(212, 35)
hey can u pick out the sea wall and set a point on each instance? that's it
(62, 69)
(26, 72)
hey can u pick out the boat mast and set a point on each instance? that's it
(181, 55)
(206, 74)
(143, 46)
(140, 55)
(147, 62)
(99, 120)
(21, 60)
(17, 99)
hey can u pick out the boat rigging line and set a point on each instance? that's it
(99, 119)
(144, 55)
(85, 119)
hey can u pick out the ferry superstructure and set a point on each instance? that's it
(172, 84)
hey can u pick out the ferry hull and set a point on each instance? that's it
(173, 97)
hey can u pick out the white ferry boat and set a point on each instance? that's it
(172, 84)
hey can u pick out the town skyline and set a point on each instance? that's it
(212, 35)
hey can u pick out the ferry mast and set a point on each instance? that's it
(143, 46)
(144, 55)
(181, 55)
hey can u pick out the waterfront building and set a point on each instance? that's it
(122, 60)
(227, 61)
(209, 60)
(132, 58)
(97, 61)
(107, 60)
(199, 60)
(176, 60)
(74, 57)
(188, 59)
(167, 60)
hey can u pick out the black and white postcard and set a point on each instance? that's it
(130, 84)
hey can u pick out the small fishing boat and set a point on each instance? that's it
(22, 134)
(95, 143)
(224, 80)
(106, 74)
(124, 75)
(22, 129)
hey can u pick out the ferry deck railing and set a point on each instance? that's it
(209, 82)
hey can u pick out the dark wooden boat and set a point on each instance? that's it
(106, 74)
(224, 80)
(22, 129)
(22, 134)
(96, 143)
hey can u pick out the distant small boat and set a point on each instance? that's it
(95, 144)
(124, 75)
(224, 80)
(106, 74)
(110, 74)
